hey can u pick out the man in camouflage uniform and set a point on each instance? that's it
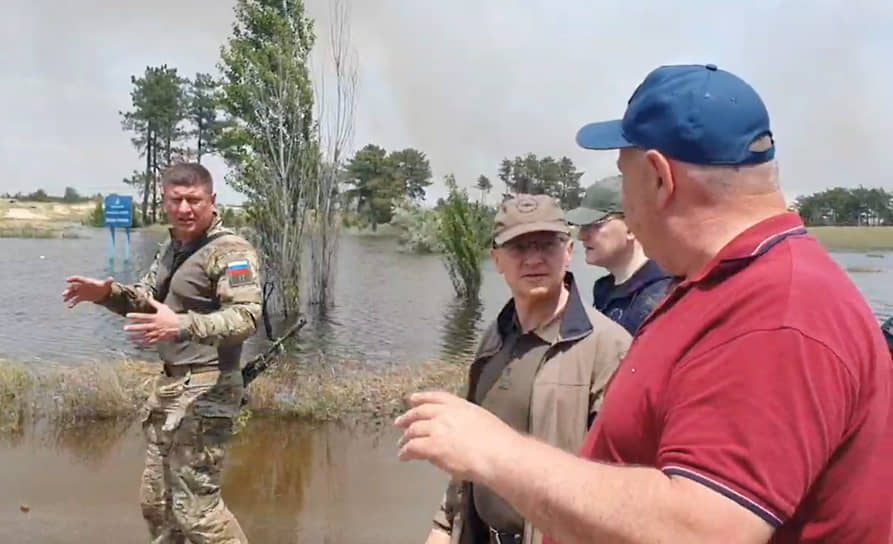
(199, 301)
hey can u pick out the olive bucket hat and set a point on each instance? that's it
(601, 199)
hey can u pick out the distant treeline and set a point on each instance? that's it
(843, 206)
(71, 196)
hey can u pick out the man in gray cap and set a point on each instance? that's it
(634, 284)
(542, 366)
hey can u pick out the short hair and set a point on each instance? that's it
(728, 180)
(188, 173)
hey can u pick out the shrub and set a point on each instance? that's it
(464, 231)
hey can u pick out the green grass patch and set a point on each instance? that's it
(31, 231)
(66, 397)
(70, 395)
(16, 384)
(347, 390)
(863, 269)
(861, 239)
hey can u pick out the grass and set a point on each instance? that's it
(35, 232)
(345, 391)
(861, 239)
(15, 384)
(22, 219)
(863, 270)
(70, 395)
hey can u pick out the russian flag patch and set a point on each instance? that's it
(239, 273)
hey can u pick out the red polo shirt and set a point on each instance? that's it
(765, 378)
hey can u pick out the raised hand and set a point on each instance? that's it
(81, 289)
(453, 434)
(149, 329)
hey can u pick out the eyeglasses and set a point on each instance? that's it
(550, 246)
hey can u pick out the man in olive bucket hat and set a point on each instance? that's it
(634, 284)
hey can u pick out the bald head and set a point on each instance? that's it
(683, 213)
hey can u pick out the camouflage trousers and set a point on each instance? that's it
(187, 421)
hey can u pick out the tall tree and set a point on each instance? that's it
(336, 115)
(842, 206)
(370, 172)
(530, 174)
(381, 179)
(140, 121)
(484, 185)
(202, 103)
(412, 171)
(270, 141)
(137, 180)
(71, 195)
(568, 190)
(159, 107)
(170, 109)
(505, 176)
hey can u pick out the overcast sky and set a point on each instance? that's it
(468, 82)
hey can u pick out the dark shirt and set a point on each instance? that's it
(633, 300)
(887, 327)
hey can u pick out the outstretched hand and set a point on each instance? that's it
(149, 329)
(454, 435)
(81, 289)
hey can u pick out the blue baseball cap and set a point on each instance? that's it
(692, 113)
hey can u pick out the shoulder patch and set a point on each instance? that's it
(239, 273)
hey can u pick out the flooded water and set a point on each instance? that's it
(285, 482)
(390, 306)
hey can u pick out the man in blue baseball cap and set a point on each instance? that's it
(754, 405)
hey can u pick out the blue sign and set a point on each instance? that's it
(119, 211)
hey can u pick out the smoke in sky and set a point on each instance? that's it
(467, 82)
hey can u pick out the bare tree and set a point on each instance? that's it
(336, 126)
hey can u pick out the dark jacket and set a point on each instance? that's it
(633, 300)
(568, 391)
(887, 327)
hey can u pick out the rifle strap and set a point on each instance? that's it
(267, 291)
(179, 258)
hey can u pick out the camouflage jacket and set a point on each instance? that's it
(216, 292)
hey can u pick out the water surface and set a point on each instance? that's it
(390, 306)
(284, 481)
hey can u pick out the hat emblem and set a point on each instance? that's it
(527, 204)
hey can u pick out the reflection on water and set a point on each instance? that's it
(461, 321)
(390, 306)
(285, 481)
(89, 444)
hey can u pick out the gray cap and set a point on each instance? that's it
(602, 198)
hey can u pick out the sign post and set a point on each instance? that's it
(119, 213)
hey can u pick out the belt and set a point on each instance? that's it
(176, 371)
(502, 537)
